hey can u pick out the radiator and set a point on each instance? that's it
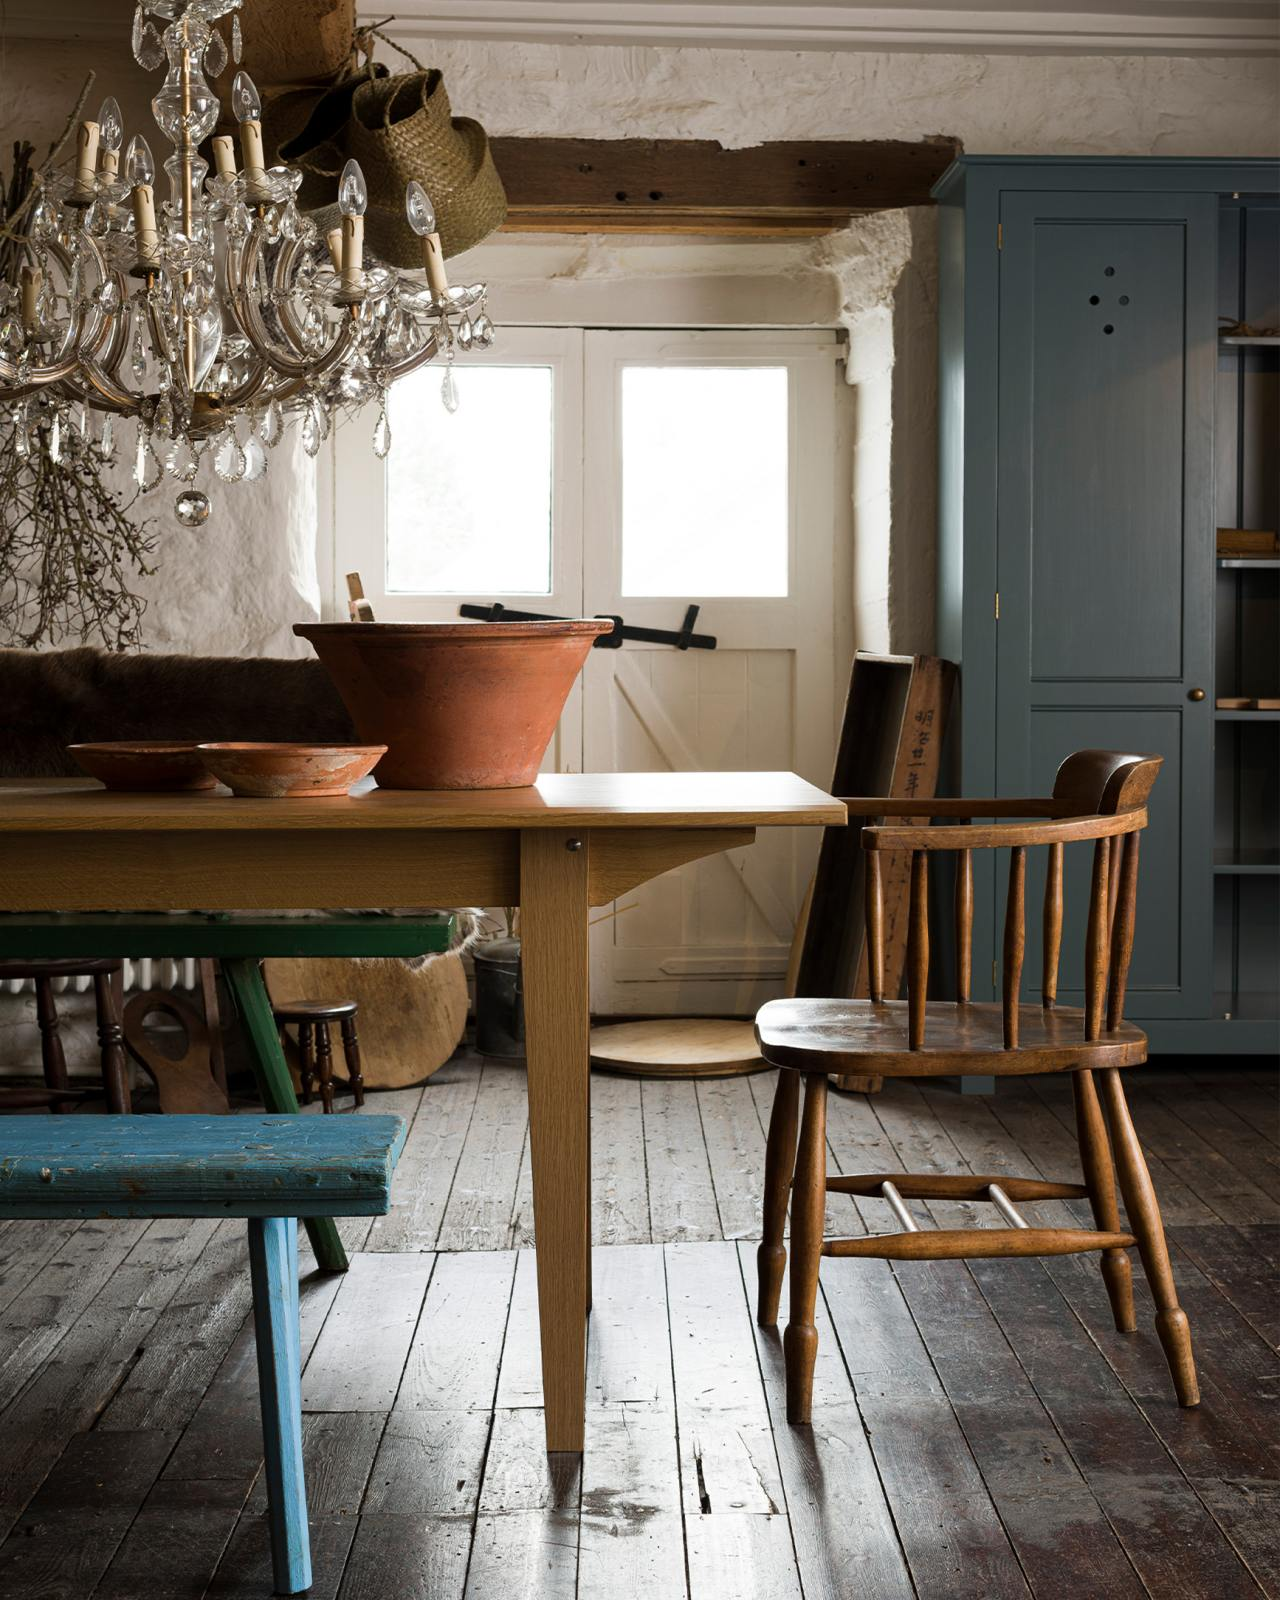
(149, 973)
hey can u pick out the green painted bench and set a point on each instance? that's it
(239, 942)
(270, 1170)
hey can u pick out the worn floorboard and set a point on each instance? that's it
(978, 1430)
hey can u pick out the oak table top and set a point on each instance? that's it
(557, 800)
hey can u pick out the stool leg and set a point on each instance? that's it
(307, 1061)
(351, 1054)
(52, 1057)
(808, 1214)
(1100, 1180)
(244, 979)
(779, 1164)
(1144, 1221)
(273, 1266)
(115, 1073)
(324, 1066)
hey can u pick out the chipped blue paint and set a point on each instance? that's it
(267, 1169)
(173, 1166)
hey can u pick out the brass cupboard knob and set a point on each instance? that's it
(1195, 694)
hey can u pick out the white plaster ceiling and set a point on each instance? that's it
(1092, 27)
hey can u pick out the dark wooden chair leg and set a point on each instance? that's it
(1144, 1221)
(115, 1070)
(324, 1066)
(779, 1165)
(808, 1214)
(306, 1061)
(1099, 1177)
(351, 1055)
(53, 1060)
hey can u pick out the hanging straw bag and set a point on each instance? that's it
(400, 127)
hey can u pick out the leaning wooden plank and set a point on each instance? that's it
(198, 1166)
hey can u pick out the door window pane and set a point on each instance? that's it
(469, 492)
(705, 500)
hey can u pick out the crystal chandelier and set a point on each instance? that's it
(213, 317)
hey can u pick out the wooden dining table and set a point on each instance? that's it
(570, 842)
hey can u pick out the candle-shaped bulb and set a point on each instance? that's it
(86, 155)
(353, 193)
(139, 163)
(246, 102)
(110, 125)
(419, 210)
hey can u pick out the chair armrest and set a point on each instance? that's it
(887, 806)
(1001, 835)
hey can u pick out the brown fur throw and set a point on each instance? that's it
(50, 699)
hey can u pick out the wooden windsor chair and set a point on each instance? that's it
(1100, 796)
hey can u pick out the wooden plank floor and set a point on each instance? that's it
(977, 1431)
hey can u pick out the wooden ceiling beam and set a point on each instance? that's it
(697, 186)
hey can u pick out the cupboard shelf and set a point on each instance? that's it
(1249, 563)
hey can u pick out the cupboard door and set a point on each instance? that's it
(1105, 539)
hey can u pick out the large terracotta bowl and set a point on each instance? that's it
(459, 705)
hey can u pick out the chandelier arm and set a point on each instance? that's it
(248, 318)
(172, 359)
(249, 321)
(111, 396)
(411, 363)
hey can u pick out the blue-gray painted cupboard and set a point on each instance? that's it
(1097, 430)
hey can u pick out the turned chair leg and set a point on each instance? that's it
(324, 1066)
(115, 1071)
(1099, 1177)
(53, 1059)
(779, 1164)
(808, 1214)
(1144, 1221)
(351, 1054)
(306, 1062)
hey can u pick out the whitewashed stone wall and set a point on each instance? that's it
(236, 585)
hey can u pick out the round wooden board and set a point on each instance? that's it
(678, 1047)
(409, 1022)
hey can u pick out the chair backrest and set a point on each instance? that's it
(1099, 795)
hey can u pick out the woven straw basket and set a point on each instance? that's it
(398, 128)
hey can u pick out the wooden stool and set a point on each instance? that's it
(1099, 796)
(315, 1049)
(58, 1094)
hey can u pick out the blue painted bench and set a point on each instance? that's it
(271, 1170)
(239, 942)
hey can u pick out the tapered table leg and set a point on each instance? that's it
(553, 950)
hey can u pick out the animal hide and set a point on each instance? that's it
(50, 699)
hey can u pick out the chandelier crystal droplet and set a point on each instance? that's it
(202, 304)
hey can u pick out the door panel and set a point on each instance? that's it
(713, 937)
(1105, 536)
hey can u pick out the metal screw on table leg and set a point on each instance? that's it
(573, 844)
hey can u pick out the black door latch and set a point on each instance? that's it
(683, 638)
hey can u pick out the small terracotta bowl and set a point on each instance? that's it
(157, 765)
(289, 771)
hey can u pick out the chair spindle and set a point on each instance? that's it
(964, 925)
(918, 948)
(1122, 931)
(875, 925)
(1015, 942)
(1052, 940)
(1095, 955)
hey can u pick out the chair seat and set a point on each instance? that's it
(314, 1010)
(857, 1036)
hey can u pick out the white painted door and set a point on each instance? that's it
(711, 476)
(634, 473)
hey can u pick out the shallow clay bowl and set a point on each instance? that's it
(158, 765)
(289, 771)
